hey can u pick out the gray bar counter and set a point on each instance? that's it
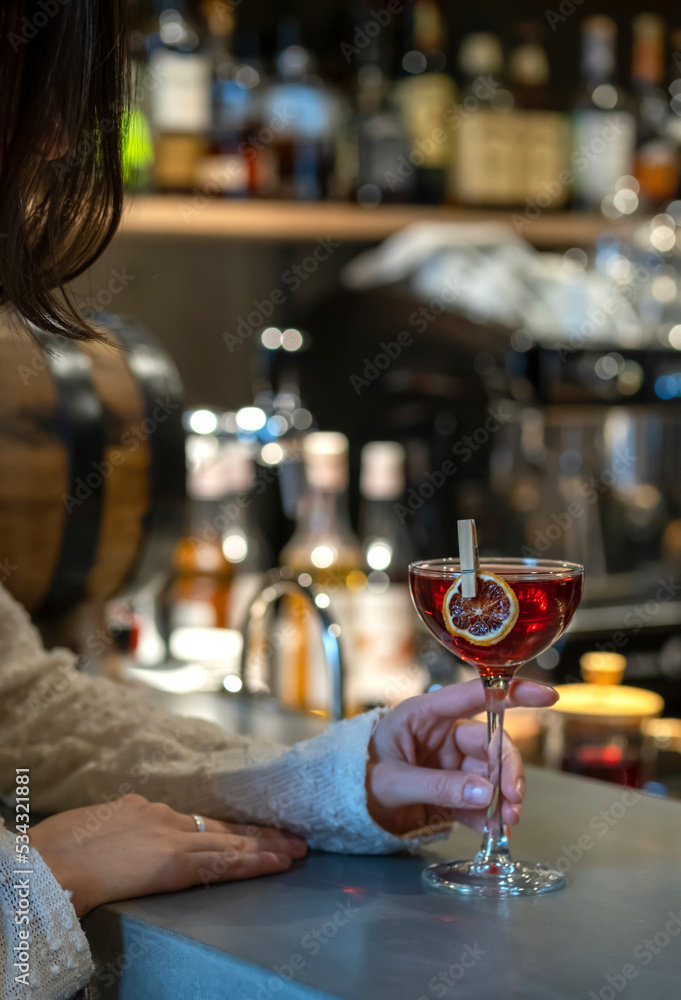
(364, 928)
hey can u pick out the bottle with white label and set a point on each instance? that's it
(323, 551)
(604, 130)
(179, 96)
(219, 561)
(385, 669)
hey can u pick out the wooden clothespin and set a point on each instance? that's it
(469, 558)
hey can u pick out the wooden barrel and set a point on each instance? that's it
(92, 468)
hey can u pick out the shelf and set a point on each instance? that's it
(281, 221)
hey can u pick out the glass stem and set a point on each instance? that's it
(494, 849)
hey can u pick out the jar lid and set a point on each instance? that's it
(609, 704)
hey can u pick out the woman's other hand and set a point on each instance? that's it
(146, 847)
(428, 760)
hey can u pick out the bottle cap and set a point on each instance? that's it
(382, 473)
(326, 460)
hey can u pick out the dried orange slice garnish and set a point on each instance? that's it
(484, 619)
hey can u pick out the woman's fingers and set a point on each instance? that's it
(268, 841)
(396, 784)
(476, 818)
(531, 694)
(245, 838)
(205, 867)
(465, 700)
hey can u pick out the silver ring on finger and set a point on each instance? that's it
(200, 822)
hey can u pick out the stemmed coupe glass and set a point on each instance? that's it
(521, 607)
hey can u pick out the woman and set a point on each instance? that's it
(144, 802)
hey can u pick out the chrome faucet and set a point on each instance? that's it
(276, 584)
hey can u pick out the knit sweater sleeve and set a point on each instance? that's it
(87, 740)
(43, 952)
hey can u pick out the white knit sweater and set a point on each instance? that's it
(86, 740)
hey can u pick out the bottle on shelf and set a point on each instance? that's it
(426, 98)
(223, 170)
(541, 132)
(384, 626)
(489, 158)
(325, 551)
(301, 118)
(656, 165)
(376, 145)
(180, 98)
(603, 129)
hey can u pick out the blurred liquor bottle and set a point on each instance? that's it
(489, 158)
(426, 98)
(374, 149)
(219, 563)
(243, 543)
(300, 118)
(180, 99)
(541, 132)
(326, 552)
(384, 668)
(223, 171)
(604, 130)
(200, 590)
(656, 166)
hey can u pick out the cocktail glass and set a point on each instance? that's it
(548, 593)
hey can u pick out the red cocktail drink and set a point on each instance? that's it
(520, 608)
(546, 604)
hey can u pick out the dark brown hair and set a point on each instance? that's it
(63, 94)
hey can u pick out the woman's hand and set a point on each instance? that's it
(146, 847)
(428, 760)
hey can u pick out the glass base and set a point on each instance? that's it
(509, 878)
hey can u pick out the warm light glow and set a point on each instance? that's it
(292, 340)
(663, 287)
(663, 238)
(235, 546)
(605, 96)
(232, 683)
(203, 421)
(272, 454)
(271, 338)
(189, 643)
(625, 201)
(322, 600)
(379, 555)
(674, 337)
(322, 556)
(250, 418)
